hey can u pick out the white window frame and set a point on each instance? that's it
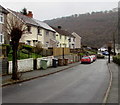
(1, 18)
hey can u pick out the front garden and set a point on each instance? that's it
(116, 59)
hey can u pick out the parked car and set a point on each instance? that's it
(105, 53)
(94, 57)
(91, 57)
(86, 59)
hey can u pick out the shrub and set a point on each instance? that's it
(116, 59)
(25, 51)
(27, 47)
(8, 48)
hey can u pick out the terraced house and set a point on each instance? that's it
(3, 35)
(64, 38)
(37, 31)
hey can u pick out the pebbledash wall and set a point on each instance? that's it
(27, 64)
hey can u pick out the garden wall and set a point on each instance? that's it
(23, 65)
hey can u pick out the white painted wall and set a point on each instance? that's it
(23, 65)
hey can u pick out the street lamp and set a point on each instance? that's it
(109, 51)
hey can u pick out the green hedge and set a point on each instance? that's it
(116, 59)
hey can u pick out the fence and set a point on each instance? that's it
(77, 50)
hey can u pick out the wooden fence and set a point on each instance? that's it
(61, 51)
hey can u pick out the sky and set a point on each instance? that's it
(50, 9)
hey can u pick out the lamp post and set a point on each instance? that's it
(114, 53)
(109, 51)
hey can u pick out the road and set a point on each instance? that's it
(85, 83)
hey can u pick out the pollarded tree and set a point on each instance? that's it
(15, 28)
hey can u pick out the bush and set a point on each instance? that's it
(116, 59)
(25, 51)
(7, 47)
(27, 47)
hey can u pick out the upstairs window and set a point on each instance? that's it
(60, 36)
(1, 18)
(29, 28)
(1, 38)
(69, 39)
(39, 31)
(47, 32)
(73, 39)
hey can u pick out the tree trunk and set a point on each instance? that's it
(14, 63)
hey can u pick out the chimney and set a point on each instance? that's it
(59, 27)
(30, 14)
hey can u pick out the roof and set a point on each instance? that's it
(33, 21)
(63, 32)
(26, 19)
(3, 10)
(44, 25)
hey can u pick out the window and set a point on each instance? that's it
(73, 39)
(1, 38)
(60, 36)
(28, 42)
(69, 39)
(47, 32)
(47, 44)
(34, 42)
(1, 18)
(60, 45)
(39, 31)
(29, 28)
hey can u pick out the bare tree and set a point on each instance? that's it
(15, 28)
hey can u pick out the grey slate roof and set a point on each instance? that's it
(63, 32)
(26, 19)
(33, 21)
(44, 25)
(3, 10)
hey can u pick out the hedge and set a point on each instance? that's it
(116, 59)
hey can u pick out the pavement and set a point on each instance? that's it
(26, 76)
(113, 93)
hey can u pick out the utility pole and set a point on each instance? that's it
(114, 53)
(109, 51)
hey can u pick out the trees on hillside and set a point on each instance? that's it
(24, 11)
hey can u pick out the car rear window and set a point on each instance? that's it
(85, 57)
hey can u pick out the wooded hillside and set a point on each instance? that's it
(96, 29)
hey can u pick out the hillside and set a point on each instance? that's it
(96, 29)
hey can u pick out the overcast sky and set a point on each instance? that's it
(50, 9)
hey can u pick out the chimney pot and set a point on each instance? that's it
(30, 14)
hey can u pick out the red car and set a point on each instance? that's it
(86, 59)
(94, 57)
